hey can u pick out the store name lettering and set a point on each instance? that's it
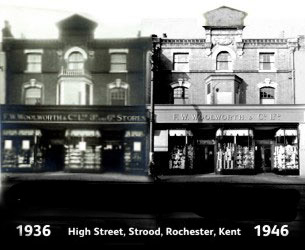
(73, 117)
(226, 117)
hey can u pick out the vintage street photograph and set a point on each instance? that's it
(152, 123)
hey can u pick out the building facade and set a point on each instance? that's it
(75, 103)
(227, 104)
(220, 103)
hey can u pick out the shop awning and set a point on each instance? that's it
(82, 133)
(21, 132)
(180, 132)
(286, 132)
(234, 132)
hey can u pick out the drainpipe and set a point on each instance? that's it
(154, 65)
(293, 75)
(292, 43)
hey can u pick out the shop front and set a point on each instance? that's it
(66, 138)
(229, 139)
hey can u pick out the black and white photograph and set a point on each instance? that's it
(144, 124)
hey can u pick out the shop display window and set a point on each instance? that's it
(286, 155)
(83, 150)
(181, 150)
(21, 149)
(235, 149)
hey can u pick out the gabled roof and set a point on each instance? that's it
(76, 21)
(225, 17)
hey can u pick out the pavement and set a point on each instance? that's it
(262, 178)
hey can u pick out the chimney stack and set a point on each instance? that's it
(6, 31)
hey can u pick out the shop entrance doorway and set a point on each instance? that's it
(55, 157)
(113, 155)
(205, 158)
(263, 156)
(53, 144)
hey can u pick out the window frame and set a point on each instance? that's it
(33, 52)
(28, 98)
(121, 90)
(31, 85)
(272, 93)
(112, 53)
(272, 61)
(184, 93)
(118, 84)
(76, 61)
(114, 63)
(186, 63)
(229, 61)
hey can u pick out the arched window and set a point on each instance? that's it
(267, 95)
(223, 61)
(76, 61)
(32, 93)
(181, 93)
(32, 96)
(118, 93)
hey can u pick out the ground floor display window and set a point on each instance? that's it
(181, 150)
(21, 150)
(83, 150)
(235, 149)
(286, 157)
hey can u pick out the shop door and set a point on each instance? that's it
(52, 142)
(263, 157)
(55, 157)
(113, 154)
(204, 159)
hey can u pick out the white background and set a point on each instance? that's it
(177, 18)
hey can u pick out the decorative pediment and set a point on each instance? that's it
(118, 84)
(33, 83)
(225, 17)
(180, 83)
(267, 83)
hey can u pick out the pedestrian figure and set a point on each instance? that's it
(153, 169)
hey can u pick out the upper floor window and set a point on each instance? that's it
(266, 61)
(32, 93)
(118, 93)
(76, 61)
(33, 96)
(267, 95)
(181, 62)
(223, 61)
(118, 62)
(181, 93)
(33, 62)
(118, 96)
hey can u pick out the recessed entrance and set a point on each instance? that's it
(204, 158)
(263, 156)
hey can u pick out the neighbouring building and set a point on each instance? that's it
(75, 103)
(2, 75)
(229, 105)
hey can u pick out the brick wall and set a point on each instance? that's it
(245, 66)
(98, 65)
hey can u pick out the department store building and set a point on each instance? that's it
(226, 104)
